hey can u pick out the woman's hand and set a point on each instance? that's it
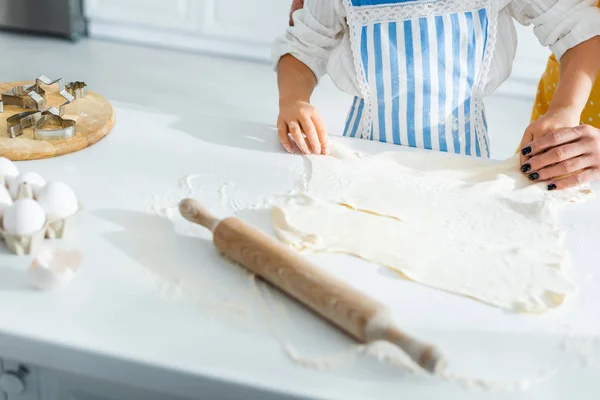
(304, 123)
(555, 149)
(552, 121)
(296, 5)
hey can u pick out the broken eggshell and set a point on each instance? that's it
(54, 268)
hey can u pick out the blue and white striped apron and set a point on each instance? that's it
(422, 66)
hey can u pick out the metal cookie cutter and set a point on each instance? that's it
(25, 97)
(18, 122)
(66, 128)
(43, 79)
(77, 89)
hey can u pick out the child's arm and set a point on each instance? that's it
(296, 115)
(555, 148)
(301, 59)
(296, 5)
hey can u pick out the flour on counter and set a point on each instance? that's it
(187, 183)
(452, 223)
(204, 282)
(255, 306)
(227, 195)
(274, 312)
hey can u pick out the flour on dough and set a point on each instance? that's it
(458, 224)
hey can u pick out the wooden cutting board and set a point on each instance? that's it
(93, 114)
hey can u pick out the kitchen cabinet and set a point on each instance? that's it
(22, 381)
(236, 28)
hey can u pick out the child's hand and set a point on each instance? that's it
(296, 5)
(557, 150)
(304, 123)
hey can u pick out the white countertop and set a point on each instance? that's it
(121, 320)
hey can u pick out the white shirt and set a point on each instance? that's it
(320, 36)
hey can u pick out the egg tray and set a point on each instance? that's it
(23, 244)
(30, 244)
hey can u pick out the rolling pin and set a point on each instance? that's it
(339, 303)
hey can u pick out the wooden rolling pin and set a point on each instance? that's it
(354, 312)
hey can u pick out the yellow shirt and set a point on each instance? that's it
(547, 87)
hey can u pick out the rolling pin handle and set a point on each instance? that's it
(425, 355)
(194, 211)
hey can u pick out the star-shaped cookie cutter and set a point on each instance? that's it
(43, 79)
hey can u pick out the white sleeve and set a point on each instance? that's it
(316, 32)
(559, 24)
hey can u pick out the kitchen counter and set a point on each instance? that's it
(157, 313)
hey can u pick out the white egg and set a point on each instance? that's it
(35, 180)
(7, 167)
(24, 217)
(5, 199)
(58, 200)
(54, 268)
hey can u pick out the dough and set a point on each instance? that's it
(458, 224)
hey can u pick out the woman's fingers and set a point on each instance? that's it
(577, 179)
(527, 138)
(554, 156)
(311, 134)
(284, 139)
(563, 168)
(298, 137)
(555, 139)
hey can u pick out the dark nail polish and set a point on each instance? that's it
(551, 186)
(534, 176)
(525, 168)
(526, 150)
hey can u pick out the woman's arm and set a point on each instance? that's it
(555, 148)
(579, 68)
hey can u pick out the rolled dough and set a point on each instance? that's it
(457, 224)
